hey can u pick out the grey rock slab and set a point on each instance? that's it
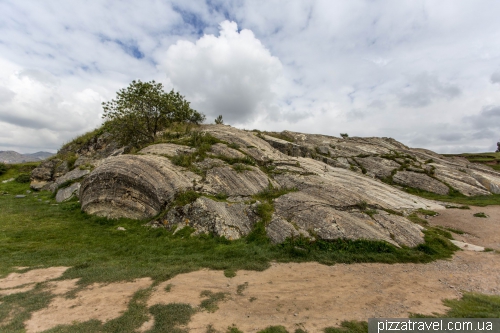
(286, 147)
(70, 176)
(168, 149)
(222, 149)
(341, 187)
(248, 142)
(400, 229)
(67, 193)
(489, 180)
(467, 246)
(20, 196)
(45, 171)
(133, 186)
(279, 229)
(238, 184)
(323, 150)
(231, 220)
(377, 166)
(460, 180)
(420, 181)
(7, 180)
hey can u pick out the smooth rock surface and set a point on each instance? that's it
(67, 193)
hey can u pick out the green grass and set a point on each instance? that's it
(491, 160)
(471, 305)
(481, 214)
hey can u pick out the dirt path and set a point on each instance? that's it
(308, 296)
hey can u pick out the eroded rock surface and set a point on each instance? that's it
(227, 180)
(168, 149)
(231, 220)
(133, 186)
(331, 187)
(67, 193)
(420, 181)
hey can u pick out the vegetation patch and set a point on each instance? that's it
(471, 305)
(456, 207)
(212, 300)
(281, 136)
(171, 317)
(185, 198)
(427, 212)
(481, 214)
(241, 288)
(351, 326)
(491, 160)
(23, 178)
(3, 168)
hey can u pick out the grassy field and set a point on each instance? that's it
(35, 231)
(490, 159)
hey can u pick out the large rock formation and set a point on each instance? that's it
(133, 186)
(330, 187)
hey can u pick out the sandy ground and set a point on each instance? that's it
(308, 296)
(478, 231)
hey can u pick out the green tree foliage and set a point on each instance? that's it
(143, 109)
(219, 120)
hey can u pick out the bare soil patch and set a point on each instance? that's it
(478, 231)
(28, 279)
(313, 296)
(98, 301)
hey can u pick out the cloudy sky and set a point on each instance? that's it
(426, 73)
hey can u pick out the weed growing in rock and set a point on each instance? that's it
(185, 198)
(238, 167)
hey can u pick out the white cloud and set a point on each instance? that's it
(495, 77)
(232, 74)
(311, 66)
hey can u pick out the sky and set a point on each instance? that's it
(426, 73)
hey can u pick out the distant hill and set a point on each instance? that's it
(12, 157)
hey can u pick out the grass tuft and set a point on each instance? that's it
(212, 300)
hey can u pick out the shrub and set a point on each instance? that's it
(344, 135)
(3, 168)
(23, 178)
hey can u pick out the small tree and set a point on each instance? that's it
(344, 135)
(498, 148)
(143, 109)
(219, 120)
